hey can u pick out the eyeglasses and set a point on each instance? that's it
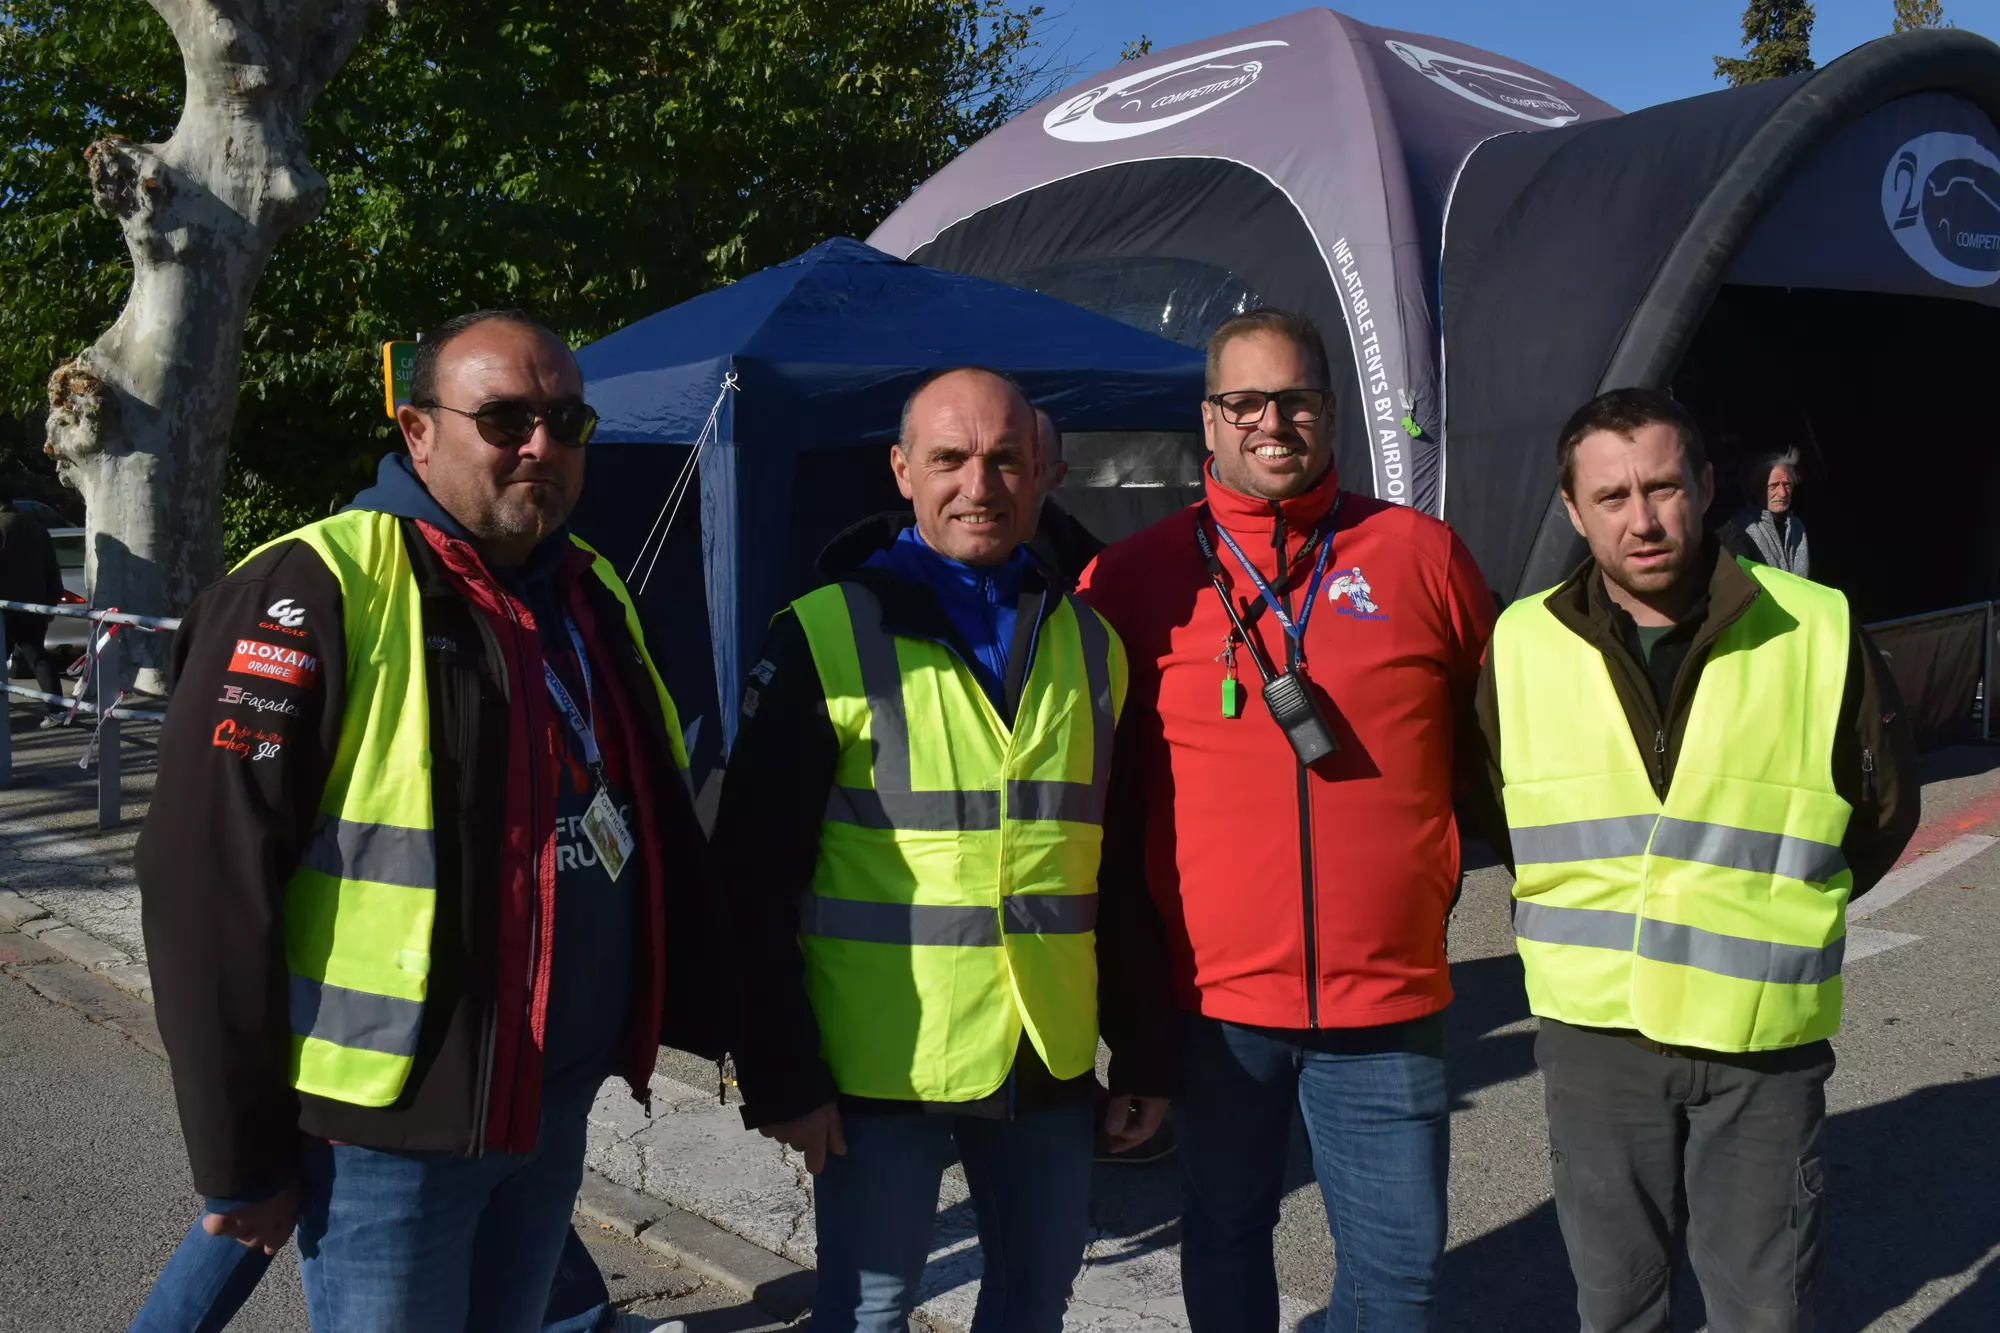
(1245, 407)
(509, 423)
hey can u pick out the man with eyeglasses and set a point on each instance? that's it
(409, 868)
(1303, 664)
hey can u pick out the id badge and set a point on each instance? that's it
(609, 837)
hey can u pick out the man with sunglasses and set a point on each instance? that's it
(419, 831)
(1302, 657)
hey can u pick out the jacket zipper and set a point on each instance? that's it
(1308, 908)
(1660, 761)
(1867, 775)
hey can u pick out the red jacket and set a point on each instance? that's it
(1293, 897)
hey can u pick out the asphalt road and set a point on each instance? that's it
(95, 1193)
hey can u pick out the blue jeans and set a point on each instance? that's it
(1378, 1118)
(876, 1208)
(209, 1277)
(391, 1241)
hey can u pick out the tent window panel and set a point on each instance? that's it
(1184, 300)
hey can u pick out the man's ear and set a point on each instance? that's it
(1575, 519)
(1208, 425)
(419, 435)
(1705, 487)
(899, 463)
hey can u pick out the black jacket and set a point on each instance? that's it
(226, 830)
(1874, 756)
(766, 844)
(29, 568)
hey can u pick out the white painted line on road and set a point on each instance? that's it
(1863, 941)
(1900, 884)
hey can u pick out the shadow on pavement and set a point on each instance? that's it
(1957, 761)
(1916, 1199)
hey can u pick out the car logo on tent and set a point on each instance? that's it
(1152, 99)
(1510, 91)
(1941, 199)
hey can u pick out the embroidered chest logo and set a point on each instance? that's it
(1350, 594)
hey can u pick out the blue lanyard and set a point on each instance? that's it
(1295, 631)
(585, 728)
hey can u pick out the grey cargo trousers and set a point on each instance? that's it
(1655, 1149)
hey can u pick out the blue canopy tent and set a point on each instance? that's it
(821, 351)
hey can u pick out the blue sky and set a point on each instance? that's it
(1631, 53)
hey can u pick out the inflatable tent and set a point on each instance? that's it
(1810, 263)
(818, 354)
(1305, 162)
(1807, 263)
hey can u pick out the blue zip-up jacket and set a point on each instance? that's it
(980, 599)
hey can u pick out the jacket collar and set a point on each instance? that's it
(1581, 603)
(1247, 515)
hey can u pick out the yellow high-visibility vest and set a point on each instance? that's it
(1714, 919)
(954, 904)
(360, 908)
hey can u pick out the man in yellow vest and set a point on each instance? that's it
(1701, 762)
(910, 831)
(421, 870)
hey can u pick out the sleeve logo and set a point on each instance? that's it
(291, 617)
(254, 657)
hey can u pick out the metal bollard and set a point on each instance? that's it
(110, 794)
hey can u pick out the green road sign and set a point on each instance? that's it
(399, 371)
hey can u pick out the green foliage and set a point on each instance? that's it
(1133, 50)
(1914, 14)
(1778, 36)
(589, 160)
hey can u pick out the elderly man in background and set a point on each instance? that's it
(1774, 535)
(1058, 539)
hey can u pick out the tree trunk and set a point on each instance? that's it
(140, 422)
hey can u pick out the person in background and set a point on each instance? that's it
(1701, 761)
(30, 572)
(1057, 539)
(1774, 534)
(1299, 838)
(396, 948)
(911, 827)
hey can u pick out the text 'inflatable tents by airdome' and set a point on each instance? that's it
(1304, 162)
(820, 353)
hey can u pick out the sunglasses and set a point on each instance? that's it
(509, 423)
(1245, 407)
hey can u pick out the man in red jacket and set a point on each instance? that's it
(1298, 836)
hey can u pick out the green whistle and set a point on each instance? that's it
(1232, 698)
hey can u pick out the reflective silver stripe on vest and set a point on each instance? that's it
(959, 927)
(1586, 926)
(1051, 913)
(924, 811)
(1744, 849)
(1680, 839)
(1582, 840)
(1688, 946)
(355, 1019)
(378, 853)
(1734, 956)
(892, 804)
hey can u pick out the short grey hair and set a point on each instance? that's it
(910, 403)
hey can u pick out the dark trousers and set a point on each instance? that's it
(24, 636)
(1653, 1150)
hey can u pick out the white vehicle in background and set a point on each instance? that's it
(67, 637)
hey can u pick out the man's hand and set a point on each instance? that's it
(1129, 1121)
(262, 1226)
(816, 1133)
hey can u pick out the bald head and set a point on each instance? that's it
(969, 462)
